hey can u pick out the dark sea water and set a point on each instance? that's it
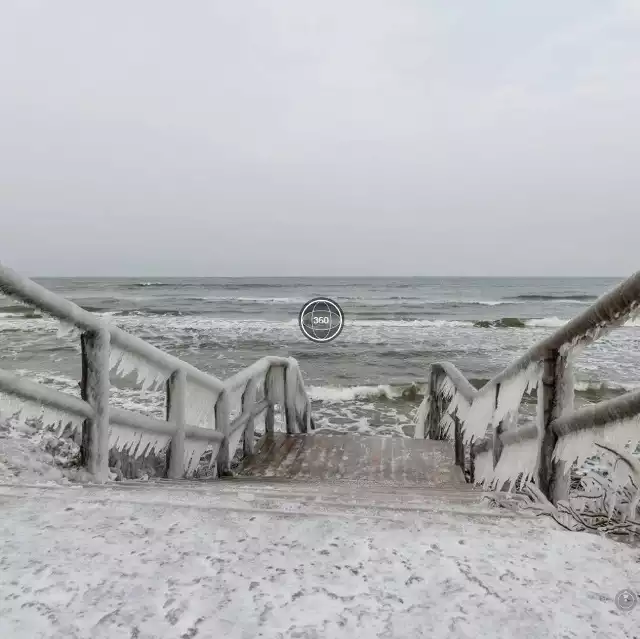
(394, 328)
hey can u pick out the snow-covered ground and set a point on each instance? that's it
(152, 561)
(258, 559)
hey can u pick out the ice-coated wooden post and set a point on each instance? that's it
(248, 404)
(222, 426)
(458, 443)
(290, 391)
(434, 416)
(269, 416)
(177, 415)
(555, 396)
(94, 389)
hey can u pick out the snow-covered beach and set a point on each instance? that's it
(150, 563)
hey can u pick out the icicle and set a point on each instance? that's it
(445, 388)
(234, 441)
(512, 391)
(53, 416)
(12, 406)
(479, 416)
(235, 403)
(458, 406)
(519, 457)
(423, 412)
(447, 426)
(578, 446)
(28, 411)
(421, 417)
(483, 468)
(123, 364)
(134, 442)
(301, 396)
(276, 385)
(194, 449)
(201, 405)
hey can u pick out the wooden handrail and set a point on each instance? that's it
(550, 362)
(183, 381)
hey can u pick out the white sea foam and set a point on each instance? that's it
(335, 394)
(557, 322)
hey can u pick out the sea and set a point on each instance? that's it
(369, 380)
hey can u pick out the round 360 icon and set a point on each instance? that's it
(321, 320)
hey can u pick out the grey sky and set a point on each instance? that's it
(286, 137)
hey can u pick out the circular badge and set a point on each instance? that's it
(626, 600)
(321, 320)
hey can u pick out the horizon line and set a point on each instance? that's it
(263, 277)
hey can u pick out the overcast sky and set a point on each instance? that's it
(350, 137)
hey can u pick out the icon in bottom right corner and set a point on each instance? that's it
(626, 600)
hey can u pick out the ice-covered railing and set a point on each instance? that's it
(492, 448)
(202, 412)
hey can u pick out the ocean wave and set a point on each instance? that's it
(25, 313)
(593, 386)
(339, 394)
(541, 322)
(162, 312)
(415, 391)
(151, 284)
(534, 297)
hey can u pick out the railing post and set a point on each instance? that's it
(248, 404)
(94, 389)
(472, 463)
(435, 406)
(459, 443)
(177, 414)
(290, 391)
(269, 416)
(553, 400)
(222, 425)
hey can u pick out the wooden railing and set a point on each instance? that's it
(202, 412)
(489, 445)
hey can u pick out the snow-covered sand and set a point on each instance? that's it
(244, 560)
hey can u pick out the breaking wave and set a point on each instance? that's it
(149, 284)
(534, 297)
(415, 391)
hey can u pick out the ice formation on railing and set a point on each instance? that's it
(513, 389)
(578, 344)
(519, 458)
(479, 416)
(123, 363)
(275, 385)
(134, 442)
(201, 405)
(445, 387)
(421, 417)
(194, 449)
(457, 406)
(483, 468)
(26, 411)
(447, 426)
(67, 330)
(483, 411)
(301, 402)
(423, 413)
(235, 403)
(576, 447)
(234, 441)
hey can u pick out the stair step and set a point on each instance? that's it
(390, 461)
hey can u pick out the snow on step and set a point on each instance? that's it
(365, 459)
